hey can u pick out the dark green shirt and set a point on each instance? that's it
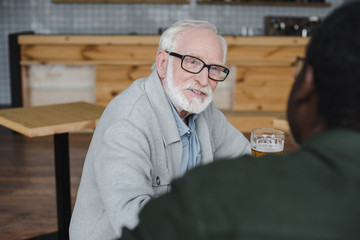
(313, 193)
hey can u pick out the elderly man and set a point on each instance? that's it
(156, 130)
(309, 194)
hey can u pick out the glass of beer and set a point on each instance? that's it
(267, 141)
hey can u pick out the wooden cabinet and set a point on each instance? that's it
(261, 84)
(262, 88)
(113, 79)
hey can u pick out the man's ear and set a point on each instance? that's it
(307, 88)
(161, 63)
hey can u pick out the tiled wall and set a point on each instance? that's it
(45, 17)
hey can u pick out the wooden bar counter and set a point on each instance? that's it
(259, 86)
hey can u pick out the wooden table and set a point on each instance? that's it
(57, 120)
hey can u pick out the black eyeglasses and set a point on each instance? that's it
(195, 65)
(298, 65)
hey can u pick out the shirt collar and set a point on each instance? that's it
(182, 127)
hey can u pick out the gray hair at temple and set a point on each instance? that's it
(168, 40)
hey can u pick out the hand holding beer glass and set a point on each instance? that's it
(266, 141)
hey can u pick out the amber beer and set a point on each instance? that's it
(262, 152)
(267, 141)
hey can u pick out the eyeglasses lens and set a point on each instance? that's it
(195, 65)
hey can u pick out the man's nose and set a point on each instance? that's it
(203, 77)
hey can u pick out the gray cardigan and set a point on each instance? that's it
(134, 154)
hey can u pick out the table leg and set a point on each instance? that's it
(63, 196)
(62, 176)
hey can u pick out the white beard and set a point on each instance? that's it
(177, 97)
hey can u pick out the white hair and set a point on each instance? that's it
(168, 40)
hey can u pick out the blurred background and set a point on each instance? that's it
(48, 17)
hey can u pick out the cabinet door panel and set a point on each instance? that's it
(113, 79)
(262, 88)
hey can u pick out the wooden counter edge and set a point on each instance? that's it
(39, 39)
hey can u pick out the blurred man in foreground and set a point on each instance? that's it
(313, 193)
(156, 130)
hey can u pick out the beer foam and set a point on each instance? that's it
(272, 144)
(273, 147)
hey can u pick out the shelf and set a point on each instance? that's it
(265, 3)
(123, 1)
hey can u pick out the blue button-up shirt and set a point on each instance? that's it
(191, 154)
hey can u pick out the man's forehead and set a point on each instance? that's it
(200, 43)
(195, 33)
